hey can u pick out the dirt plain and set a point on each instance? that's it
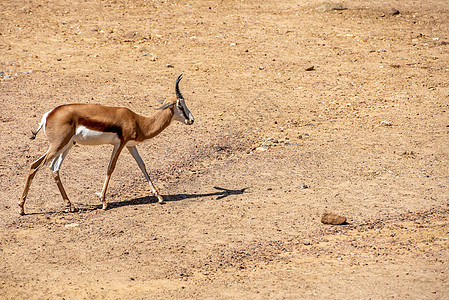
(297, 112)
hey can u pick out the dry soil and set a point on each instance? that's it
(298, 112)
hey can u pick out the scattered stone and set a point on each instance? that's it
(330, 7)
(261, 149)
(130, 35)
(170, 66)
(304, 186)
(393, 11)
(332, 219)
(71, 225)
(26, 10)
(408, 154)
(310, 68)
(386, 123)
(306, 242)
(261, 68)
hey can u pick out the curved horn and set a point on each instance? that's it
(178, 92)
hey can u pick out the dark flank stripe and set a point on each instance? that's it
(99, 126)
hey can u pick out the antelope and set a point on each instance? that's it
(93, 124)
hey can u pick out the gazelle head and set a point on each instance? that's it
(182, 113)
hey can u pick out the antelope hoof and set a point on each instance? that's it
(21, 207)
(70, 209)
(105, 206)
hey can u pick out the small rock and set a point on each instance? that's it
(393, 11)
(130, 35)
(170, 66)
(261, 68)
(261, 149)
(332, 219)
(26, 10)
(329, 7)
(408, 154)
(386, 123)
(304, 186)
(71, 225)
(310, 68)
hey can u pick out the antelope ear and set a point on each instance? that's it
(166, 105)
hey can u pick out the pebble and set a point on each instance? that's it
(393, 11)
(386, 123)
(304, 186)
(408, 154)
(310, 68)
(329, 7)
(332, 219)
(130, 34)
(72, 225)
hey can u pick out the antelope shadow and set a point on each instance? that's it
(220, 193)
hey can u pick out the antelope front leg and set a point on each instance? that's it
(135, 154)
(115, 154)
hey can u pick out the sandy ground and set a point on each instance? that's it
(352, 104)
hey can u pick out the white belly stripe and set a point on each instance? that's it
(86, 136)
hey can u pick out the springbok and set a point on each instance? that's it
(92, 124)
